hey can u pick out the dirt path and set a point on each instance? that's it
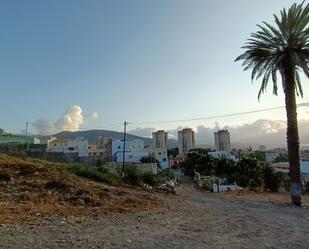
(192, 219)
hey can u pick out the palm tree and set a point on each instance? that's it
(283, 48)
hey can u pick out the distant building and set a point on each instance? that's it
(159, 144)
(222, 140)
(270, 156)
(304, 153)
(47, 140)
(18, 139)
(134, 150)
(262, 148)
(106, 144)
(78, 145)
(186, 140)
(95, 152)
(160, 139)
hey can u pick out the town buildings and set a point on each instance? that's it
(105, 144)
(304, 153)
(159, 145)
(222, 140)
(160, 139)
(134, 150)
(186, 140)
(78, 145)
(18, 139)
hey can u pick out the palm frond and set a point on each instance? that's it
(274, 46)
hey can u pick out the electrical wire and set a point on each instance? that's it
(214, 117)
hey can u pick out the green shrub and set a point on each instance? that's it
(148, 159)
(99, 162)
(103, 170)
(93, 174)
(252, 184)
(272, 180)
(149, 178)
(132, 175)
(243, 181)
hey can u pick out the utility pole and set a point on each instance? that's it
(124, 145)
(27, 124)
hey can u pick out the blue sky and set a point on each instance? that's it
(131, 60)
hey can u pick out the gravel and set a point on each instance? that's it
(190, 219)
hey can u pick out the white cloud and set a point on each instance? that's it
(142, 131)
(71, 120)
(262, 131)
(94, 115)
(44, 126)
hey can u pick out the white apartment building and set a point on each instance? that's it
(159, 145)
(78, 145)
(222, 140)
(160, 139)
(134, 150)
(186, 140)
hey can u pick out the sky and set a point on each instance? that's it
(139, 61)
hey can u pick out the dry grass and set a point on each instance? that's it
(31, 192)
(262, 196)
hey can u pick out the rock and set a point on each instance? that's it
(129, 241)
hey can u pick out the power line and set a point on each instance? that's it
(171, 121)
(216, 116)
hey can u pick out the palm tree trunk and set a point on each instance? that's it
(292, 134)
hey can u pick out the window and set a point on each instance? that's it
(118, 147)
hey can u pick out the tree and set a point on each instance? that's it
(148, 159)
(283, 49)
(2, 131)
(281, 158)
(172, 152)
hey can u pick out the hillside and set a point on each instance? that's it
(34, 191)
(92, 136)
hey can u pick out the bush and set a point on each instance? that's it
(252, 184)
(243, 181)
(132, 175)
(272, 180)
(94, 174)
(149, 178)
(99, 162)
(148, 159)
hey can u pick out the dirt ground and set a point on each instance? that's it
(31, 193)
(267, 197)
(190, 219)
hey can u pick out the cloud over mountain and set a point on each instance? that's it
(71, 120)
(261, 131)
